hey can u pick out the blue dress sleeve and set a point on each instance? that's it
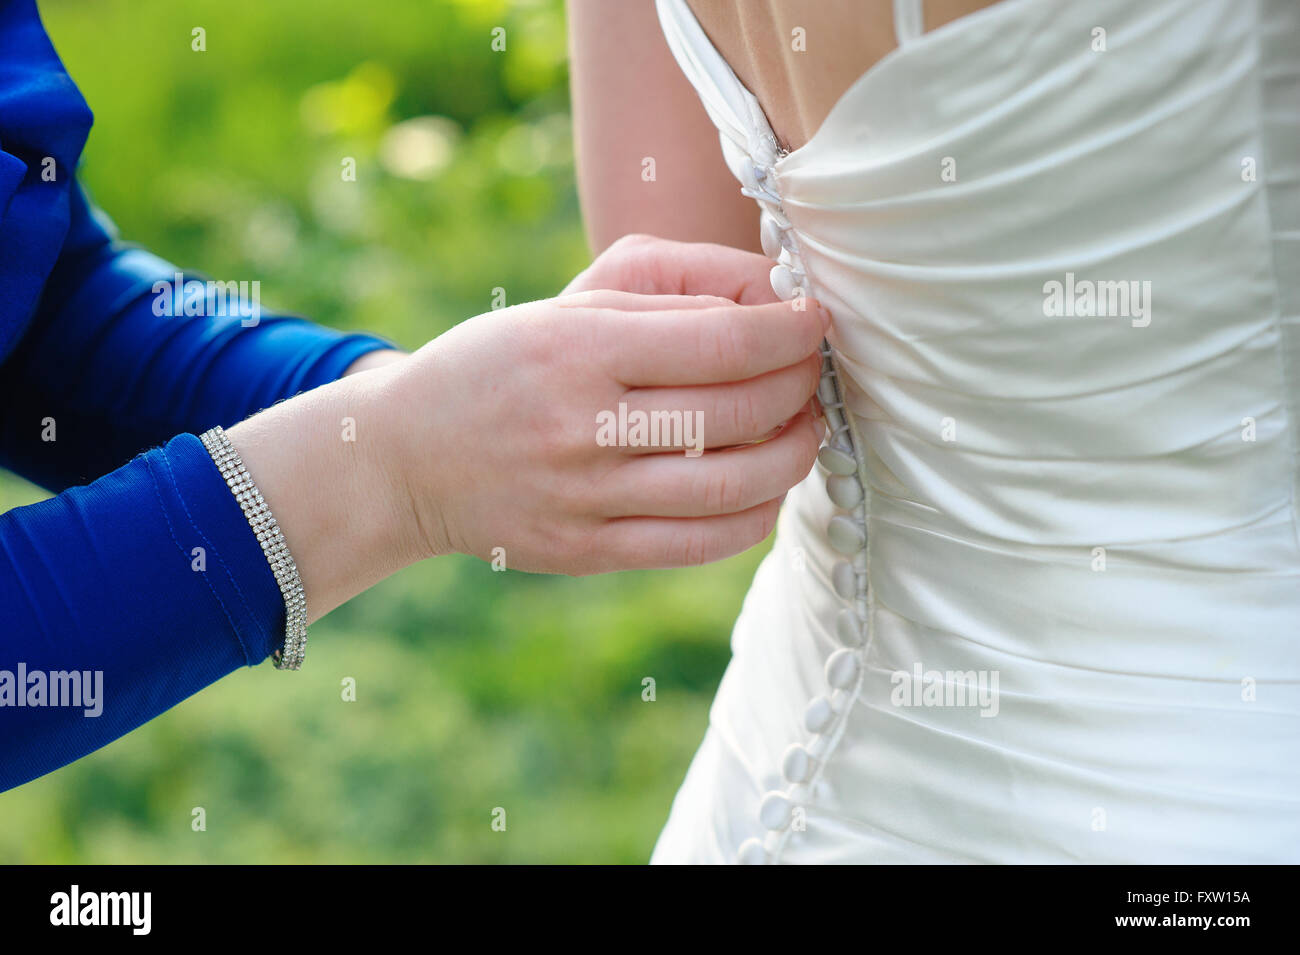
(141, 582)
(101, 375)
(146, 584)
(121, 598)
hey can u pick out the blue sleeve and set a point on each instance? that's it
(120, 599)
(146, 585)
(99, 375)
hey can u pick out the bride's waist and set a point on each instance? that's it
(1218, 609)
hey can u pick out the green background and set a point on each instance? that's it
(475, 690)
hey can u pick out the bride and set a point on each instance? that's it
(1039, 600)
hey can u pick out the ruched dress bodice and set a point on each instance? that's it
(1040, 599)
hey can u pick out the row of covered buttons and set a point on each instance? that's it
(847, 531)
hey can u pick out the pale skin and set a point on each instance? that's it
(631, 101)
(449, 457)
(841, 40)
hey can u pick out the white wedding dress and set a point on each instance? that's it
(1062, 624)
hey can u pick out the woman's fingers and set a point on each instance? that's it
(704, 346)
(717, 482)
(708, 269)
(627, 301)
(719, 416)
(644, 543)
(654, 266)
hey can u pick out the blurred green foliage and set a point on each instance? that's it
(475, 689)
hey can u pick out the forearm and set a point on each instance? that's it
(326, 465)
(111, 365)
(147, 583)
(72, 414)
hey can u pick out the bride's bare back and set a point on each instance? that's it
(798, 57)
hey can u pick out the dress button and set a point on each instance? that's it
(827, 392)
(770, 234)
(818, 715)
(797, 764)
(844, 490)
(846, 535)
(774, 811)
(837, 461)
(849, 628)
(783, 282)
(752, 853)
(842, 668)
(844, 580)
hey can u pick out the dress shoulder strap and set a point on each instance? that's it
(908, 21)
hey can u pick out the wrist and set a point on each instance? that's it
(414, 455)
(321, 462)
(400, 462)
(379, 358)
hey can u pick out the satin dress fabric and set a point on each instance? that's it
(1097, 509)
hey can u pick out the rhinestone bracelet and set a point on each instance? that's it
(258, 515)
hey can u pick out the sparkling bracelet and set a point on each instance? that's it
(258, 515)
